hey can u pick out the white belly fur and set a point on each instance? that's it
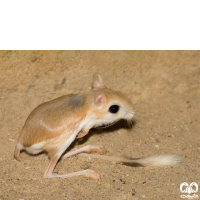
(35, 148)
(38, 147)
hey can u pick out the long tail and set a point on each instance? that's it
(17, 154)
(161, 160)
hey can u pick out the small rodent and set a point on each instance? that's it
(54, 125)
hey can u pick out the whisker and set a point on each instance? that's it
(130, 123)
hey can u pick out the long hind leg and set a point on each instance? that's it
(87, 173)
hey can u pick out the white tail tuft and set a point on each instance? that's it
(161, 160)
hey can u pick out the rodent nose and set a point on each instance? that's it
(129, 116)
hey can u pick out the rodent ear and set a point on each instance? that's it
(100, 98)
(97, 81)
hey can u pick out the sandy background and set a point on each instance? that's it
(165, 89)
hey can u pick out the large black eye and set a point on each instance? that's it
(114, 109)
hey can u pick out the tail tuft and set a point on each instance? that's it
(161, 160)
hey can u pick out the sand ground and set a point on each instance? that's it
(165, 89)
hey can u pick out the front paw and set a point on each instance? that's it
(81, 134)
